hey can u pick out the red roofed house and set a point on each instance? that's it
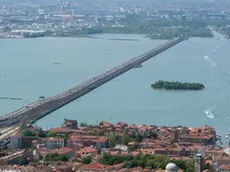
(97, 141)
(224, 168)
(86, 151)
(100, 167)
(105, 124)
(202, 139)
(65, 151)
(66, 131)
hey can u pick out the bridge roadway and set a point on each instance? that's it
(40, 108)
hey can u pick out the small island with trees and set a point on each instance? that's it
(167, 85)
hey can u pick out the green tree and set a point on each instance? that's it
(207, 166)
(112, 140)
(139, 137)
(27, 132)
(108, 159)
(189, 164)
(125, 139)
(180, 164)
(56, 157)
(150, 163)
(83, 124)
(189, 169)
(87, 160)
(99, 150)
(141, 163)
(101, 133)
(52, 134)
(41, 133)
(64, 158)
(40, 157)
(153, 135)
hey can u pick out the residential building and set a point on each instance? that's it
(61, 131)
(224, 168)
(26, 141)
(86, 151)
(53, 143)
(15, 142)
(19, 157)
(199, 163)
(96, 141)
(71, 124)
(65, 151)
(94, 167)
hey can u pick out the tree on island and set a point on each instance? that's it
(177, 85)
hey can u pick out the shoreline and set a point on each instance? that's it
(94, 36)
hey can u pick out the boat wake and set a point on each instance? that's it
(209, 112)
(205, 57)
(213, 64)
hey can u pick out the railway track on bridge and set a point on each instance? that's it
(38, 109)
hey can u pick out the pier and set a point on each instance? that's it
(32, 112)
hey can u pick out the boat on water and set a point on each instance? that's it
(209, 114)
(56, 62)
(42, 97)
(15, 98)
(11, 98)
(138, 66)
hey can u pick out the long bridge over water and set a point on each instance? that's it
(32, 112)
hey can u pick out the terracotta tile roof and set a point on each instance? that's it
(28, 168)
(164, 130)
(205, 170)
(105, 124)
(99, 139)
(53, 139)
(143, 126)
(122, 123)
(63, 150)
(117, 126)
(195, 137)
(138, 169)
(132, 143)
(93, 166)
(65, 130)
(133, 126)
(225, 167)
(87, 149)
(134, 153)
(160, 170)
